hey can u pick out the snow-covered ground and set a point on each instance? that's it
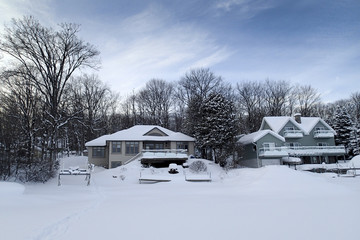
(273, 202)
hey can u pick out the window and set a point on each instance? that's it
(182, 145)
(293, 145)
(322, 144)
(98, 152)
(116, 147)
(269, 146)
(154, 145)
(132, 148)
(289, 129)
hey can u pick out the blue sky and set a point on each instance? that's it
(313, 42)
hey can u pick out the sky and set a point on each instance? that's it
(312, 42)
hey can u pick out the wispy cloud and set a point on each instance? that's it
(41, 9)
(155, 45)
(245, 8)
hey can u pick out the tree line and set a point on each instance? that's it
(47, 106)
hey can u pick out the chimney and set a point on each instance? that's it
(297, 117)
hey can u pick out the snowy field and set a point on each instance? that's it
(268, 203)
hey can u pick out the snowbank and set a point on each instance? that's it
(355, 162)
(281, 202)
(9, 188)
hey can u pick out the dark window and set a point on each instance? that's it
(98, 152)
(116, 147)
(322, 144)
(182, 145)
(154, 145)
(132, 147)
(115, 164)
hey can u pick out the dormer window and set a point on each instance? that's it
(155, 132)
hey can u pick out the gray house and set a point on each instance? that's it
(279, 139)
(148, 143)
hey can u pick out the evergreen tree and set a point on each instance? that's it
(217, 129)
(343, 126)
(355, 140)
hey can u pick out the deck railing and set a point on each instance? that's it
(293, 133)
(303, 150)
(323, 133)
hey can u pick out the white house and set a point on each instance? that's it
(149, 143)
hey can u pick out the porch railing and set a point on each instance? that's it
(293, 133)
(302, 150)
(323, 134)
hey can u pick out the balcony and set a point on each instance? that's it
(323, 134)
(293, 134)
(273, 152)
(301, 151)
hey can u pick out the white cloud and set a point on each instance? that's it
(246, 8)
(41, 9)
(160, 48)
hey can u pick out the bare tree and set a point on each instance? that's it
(90, 105)
(307, 99)
(198, 83)
(194, 87)
(22, 106)
(156, 100)
(50, 57)
(276, 95)
(250, 96)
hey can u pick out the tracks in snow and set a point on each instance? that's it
(58, 229)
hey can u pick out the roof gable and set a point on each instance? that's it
(278, 123)
(309, 123)
(255, 136)
(155, 132)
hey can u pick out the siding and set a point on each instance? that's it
(250, 155)
(99, 161)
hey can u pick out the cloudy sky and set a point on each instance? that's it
(313, 42)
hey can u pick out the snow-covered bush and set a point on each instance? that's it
(198, 166)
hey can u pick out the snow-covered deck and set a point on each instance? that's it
(293, 134)
(166, 153)
(301, 151)
(323, 134)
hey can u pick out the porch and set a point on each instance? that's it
(163, 157)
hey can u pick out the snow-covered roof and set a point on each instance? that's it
(306, 125)
(100, 141)
(255, 136)
(139, 133)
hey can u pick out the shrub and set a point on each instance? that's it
(198, 166)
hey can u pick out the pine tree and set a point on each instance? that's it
(355, 140)
(344, 128)
(217, 129)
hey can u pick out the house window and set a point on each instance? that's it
(116, 147)
(269, 146)
(98, 152)
(153, 145)
(289, 128)
(293, 145)
(182, 145)
(132, 148)
(322, 144)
